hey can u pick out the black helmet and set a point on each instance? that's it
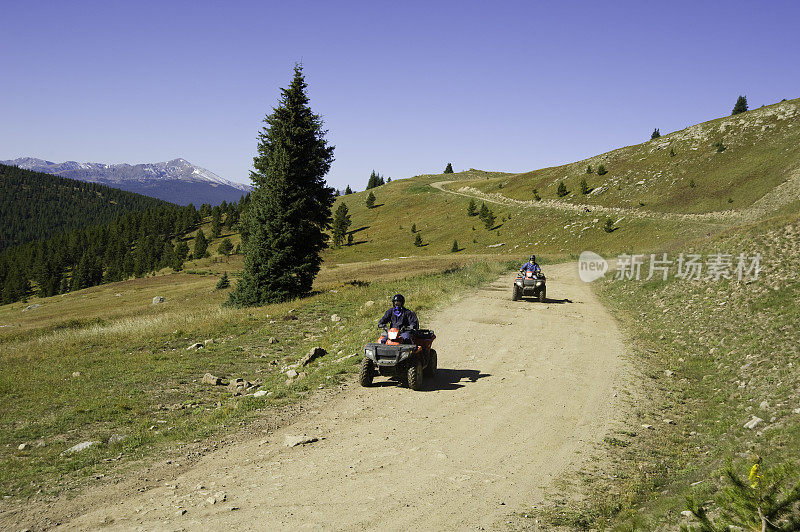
(533, 258)
(398, 298)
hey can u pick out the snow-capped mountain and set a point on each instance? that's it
(177, 181)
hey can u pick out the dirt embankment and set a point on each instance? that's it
(524, 394)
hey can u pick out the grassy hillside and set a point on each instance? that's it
(35, 206)
(711, 355)
(682, 172)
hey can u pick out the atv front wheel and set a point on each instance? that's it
(515, 293)
(542, 296)
(415, 376)
(366, 373)
(430, 371)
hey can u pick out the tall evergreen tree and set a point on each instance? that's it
(216, 221)
(741, 105)
(290, 206)
(225, 247)
(656, 133)
(341, 222)
(200, 245)
(448, 169)
(370, 201)
(348, 190)
(471, 208)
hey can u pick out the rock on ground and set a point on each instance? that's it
(753, 423)
(208, 378)
(313, 355)
(294, 441)
(80, 447)
(158, 299)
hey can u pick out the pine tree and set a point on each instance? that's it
(216, 222)
(589, 169)
(489, 220)
(225, 247)
(740, 106)
(349, 239)
(585, 187)
(413, 228)
(341, 223)
(223, 282)
(656, 133)
(348, 190)
(472, 208)
(536, 195)
(608, 227)
(601, 170)
(455, 248)
(290, 206)
(370, 202)
(418, 240)
(373, 181)
(181, 250)
(200, 245)
(449, 168)
(562, 189)
(483, 212)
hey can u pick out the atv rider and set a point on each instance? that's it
(399, 317)
(531, 266)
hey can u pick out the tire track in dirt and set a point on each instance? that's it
(524, 395)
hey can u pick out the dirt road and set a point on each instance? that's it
(524, 394)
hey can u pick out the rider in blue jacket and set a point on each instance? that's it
(531, 266)
(399, 317)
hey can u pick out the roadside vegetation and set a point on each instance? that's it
(718, 361)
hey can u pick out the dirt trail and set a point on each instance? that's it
(720, 217)
(525, 393)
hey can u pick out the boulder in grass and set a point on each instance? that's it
(80, 447)
(313, 355)
(208, 378)
(158, 299)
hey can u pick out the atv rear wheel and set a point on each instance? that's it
(415, 376)
(515, 293)
(430, 371)
(366, 373)
(542, 295)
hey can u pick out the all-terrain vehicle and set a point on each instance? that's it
(407, 363)
(531, 284)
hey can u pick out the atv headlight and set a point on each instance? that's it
(369, 351)
(539, 283)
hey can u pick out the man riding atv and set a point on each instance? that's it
(530, 281)
(400, 318)
(404, 352)
(531, 266)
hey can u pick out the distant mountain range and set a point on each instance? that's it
(177, 181)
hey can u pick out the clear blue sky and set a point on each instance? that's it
(404, 87)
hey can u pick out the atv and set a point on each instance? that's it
(407, 363)
(529, 283)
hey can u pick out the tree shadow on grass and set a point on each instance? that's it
(498, 226)
(354, 231)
